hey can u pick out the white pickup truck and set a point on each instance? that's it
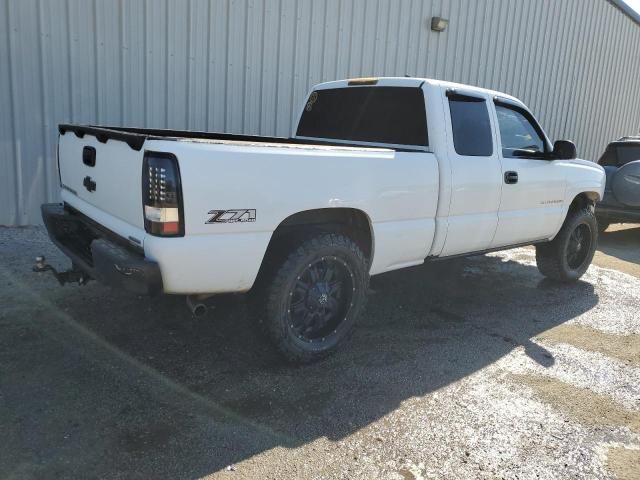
(380, 174)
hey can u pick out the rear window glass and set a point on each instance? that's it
(470, 126)
(628, 153)
(394, 115)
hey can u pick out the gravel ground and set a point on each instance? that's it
(475, 368)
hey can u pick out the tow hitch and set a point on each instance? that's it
(70, 276)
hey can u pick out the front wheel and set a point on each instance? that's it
(314, 296)
(567, 257)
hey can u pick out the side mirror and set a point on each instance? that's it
(564, 150)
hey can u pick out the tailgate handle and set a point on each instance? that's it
(89, 156)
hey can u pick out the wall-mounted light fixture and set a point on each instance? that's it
(439, 24)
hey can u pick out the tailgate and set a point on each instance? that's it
(107, 176)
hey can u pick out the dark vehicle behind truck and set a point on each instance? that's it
(621, 201)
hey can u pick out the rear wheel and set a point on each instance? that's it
(568, 256)
(313, 297)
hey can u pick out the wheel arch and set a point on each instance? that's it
(579, 200)
(349, 221)
(585, 199)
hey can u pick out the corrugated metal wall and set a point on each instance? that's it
(244, 65)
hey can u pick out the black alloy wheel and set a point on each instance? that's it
(320, 299)
(579, 246)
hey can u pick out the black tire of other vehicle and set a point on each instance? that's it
(603, 225)
(568, 256)
(313, 296)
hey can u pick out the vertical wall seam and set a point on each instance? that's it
(244, 66)
(189, 65)
(121, 58)
(69, 60)
(421, 44)
(166, 63)
(12, 107)
(276, 96)
(338, 35)
(145, 63)
(226, 65)
(307, 54)
(364, 26)
(96, 71)
(293, 63)
(208, 68)
(386, 40)
(43, 106)
(349, 71)
(324, 46)
(262, 52)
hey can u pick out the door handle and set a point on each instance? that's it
(510, 177)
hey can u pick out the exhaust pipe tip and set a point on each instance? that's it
(198, 309)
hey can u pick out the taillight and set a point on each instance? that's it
(162, 195)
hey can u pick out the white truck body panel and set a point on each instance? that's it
(476, 184)
(118, 170)
(270, 176)
(419, 204)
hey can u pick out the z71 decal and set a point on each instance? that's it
(232, 216)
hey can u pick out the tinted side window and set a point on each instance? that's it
(471, 127)
(627, 153)
(608, 158)
(517, 132)
(393, 115)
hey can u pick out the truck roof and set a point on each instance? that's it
(411, 82)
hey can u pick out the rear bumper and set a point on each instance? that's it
(101, 254)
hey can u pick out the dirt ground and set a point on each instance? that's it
(474, 368)
(620, 249)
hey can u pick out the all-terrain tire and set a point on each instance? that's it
(279, 285)
(559, 259)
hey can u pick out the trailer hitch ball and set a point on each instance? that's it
(41, 264)
(73, 275)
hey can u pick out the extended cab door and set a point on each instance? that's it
(475, 172)
(533, 187)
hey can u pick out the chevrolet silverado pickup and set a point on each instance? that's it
(379, 174)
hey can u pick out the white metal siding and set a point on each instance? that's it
(245, 65)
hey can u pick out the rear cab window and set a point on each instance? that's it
(378, 115)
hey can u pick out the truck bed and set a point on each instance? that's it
(135, 137)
